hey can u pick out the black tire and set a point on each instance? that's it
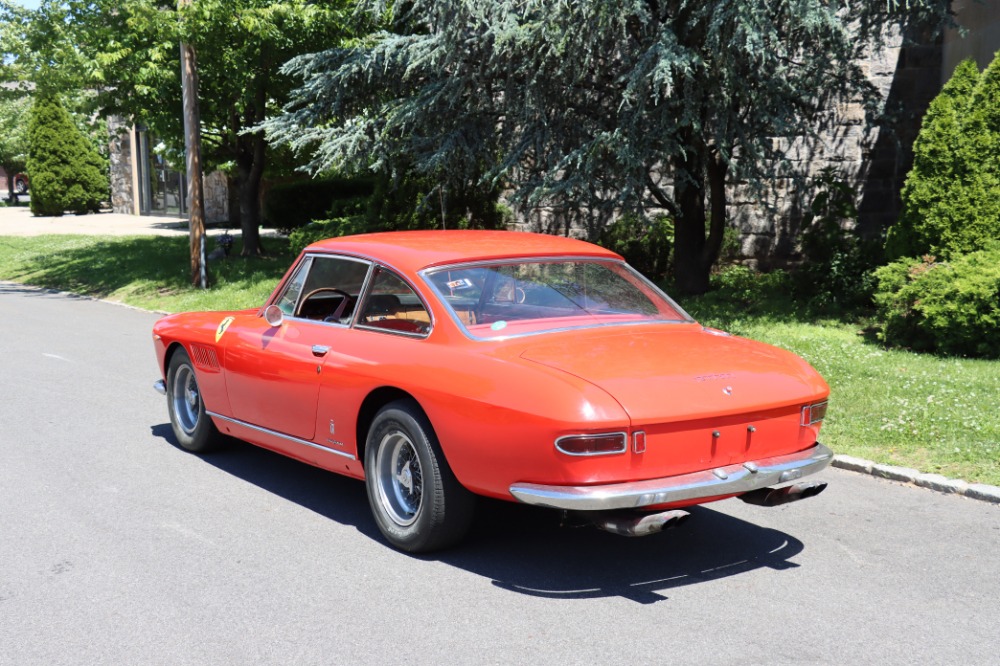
(192, 427)
(20, 186)
(418, 504)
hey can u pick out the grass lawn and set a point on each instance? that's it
(151, 272)
(931, 413)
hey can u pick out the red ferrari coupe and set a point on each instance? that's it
(439, 366)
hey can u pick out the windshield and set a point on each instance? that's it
(512, 298)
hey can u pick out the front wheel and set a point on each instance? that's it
(417, 502)
(192, 427)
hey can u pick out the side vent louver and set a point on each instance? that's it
(204, 357)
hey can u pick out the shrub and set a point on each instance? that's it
(836, 272)
(67, 174)
(645, 244)
(414, 201)
(317, 231)
(736, 284)
(289, 206)
(947, 307)
(951, 199)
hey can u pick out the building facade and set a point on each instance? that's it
(143, 182)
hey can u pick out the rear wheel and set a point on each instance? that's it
(417, 502)
(192, 427)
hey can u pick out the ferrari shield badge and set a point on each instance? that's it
(222, 327)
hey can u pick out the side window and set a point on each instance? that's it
(331, 288)
(293, 290)
(392, 305)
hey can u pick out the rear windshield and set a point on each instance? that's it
(512, 298)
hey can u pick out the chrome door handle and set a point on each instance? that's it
(320, 350)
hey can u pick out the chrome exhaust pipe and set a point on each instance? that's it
(634, 525)
(777, 496)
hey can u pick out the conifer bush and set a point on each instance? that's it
(67, 174)
(950, 307)
(951, 200)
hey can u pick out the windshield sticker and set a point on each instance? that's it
(499, 325)
(222, 327)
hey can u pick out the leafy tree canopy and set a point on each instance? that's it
(129, 51)
(594, 106)
(14, 137)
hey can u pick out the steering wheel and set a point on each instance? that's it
(332, 290)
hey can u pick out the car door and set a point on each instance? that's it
(273, 373)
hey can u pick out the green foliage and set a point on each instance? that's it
(591, 105)
(413, 201)
(742, 288)
(67, 174)
(14, 114)
(732, 244)
(127, 51)
(645, 244)
(951, 200)
(836, 272)
(320, 230)
(295, 204)
(946, 307)
(38, 52)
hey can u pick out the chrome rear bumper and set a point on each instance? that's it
(729, 480)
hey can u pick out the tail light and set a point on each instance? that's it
(814, 413)
(592, 445)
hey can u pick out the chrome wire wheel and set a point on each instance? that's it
(399, 478)
(189, 419)
(186, 399)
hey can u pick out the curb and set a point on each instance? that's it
(935, 482)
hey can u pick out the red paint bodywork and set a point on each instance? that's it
(497, 406)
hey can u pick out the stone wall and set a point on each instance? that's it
(216, 188)
(980, 21)
(874, 161)
(123, 200)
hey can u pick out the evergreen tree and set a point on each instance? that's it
(596, 106)
(66, 172)
(951, 200)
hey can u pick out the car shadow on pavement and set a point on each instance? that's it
(525, 549)
(330, 495)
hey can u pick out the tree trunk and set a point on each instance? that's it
(695, 251)
(192, 152)
(233, 201)
(690, 271)
(250, 170)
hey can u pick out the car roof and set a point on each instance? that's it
(415, 250)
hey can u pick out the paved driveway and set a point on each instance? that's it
(18, 221)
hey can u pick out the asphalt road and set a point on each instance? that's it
(116, 547)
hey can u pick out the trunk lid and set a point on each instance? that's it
(662, 374)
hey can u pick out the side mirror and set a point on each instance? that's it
(273, 315)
